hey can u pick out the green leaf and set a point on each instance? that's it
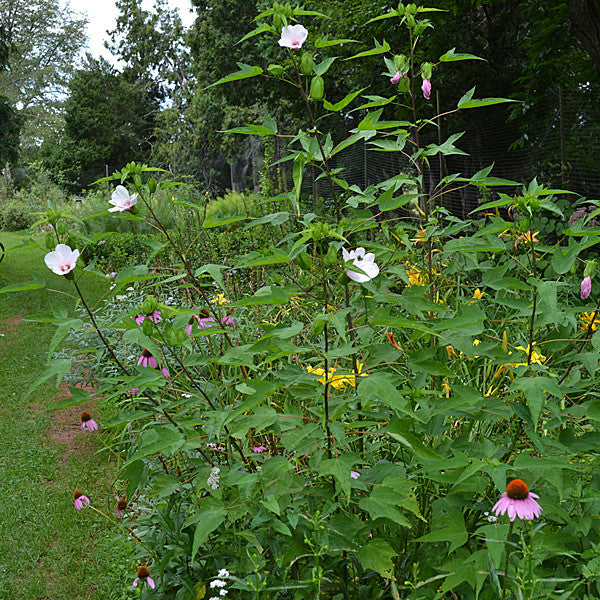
(258, 390)
(379, 49)
(262, 28)
(211, 221)
(383, 502)
(251, 130)
(467, 101)
(160, 439)
(399, 431)
(260, 419)
(244, 72)
(78, 396)
(38, 282)
(277, 218)
(325, 43)
(535, 390)
(324, 65)
(269, 294)
(447, 148)
(452, 56)
(374, 101)
(382, 388)
(58, 368)
(390, 15)
(340, 469)
(214, 271)
(564, 258)
(297, 175)
(342, 103)
(377, 555)
(209, 520)
(454, 533)
(257, 259)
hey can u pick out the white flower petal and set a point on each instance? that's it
(293, 36)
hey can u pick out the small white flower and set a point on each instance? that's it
(62, 260)
(223, 592)
(184, 395)
(223, 573)
(362, 261)
(218, 583)
(121, 199)
(293, 36)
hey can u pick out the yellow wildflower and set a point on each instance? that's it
(537, 358)
(527, 237)
(415, 276)
(339, 381)
(585, 319)
(446, 389)
(220, 300)
(477, 295)
(421, 236)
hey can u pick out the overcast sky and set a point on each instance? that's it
(102, 16)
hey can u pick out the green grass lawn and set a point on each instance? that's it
(48, 550)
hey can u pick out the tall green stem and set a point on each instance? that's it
(508, 549)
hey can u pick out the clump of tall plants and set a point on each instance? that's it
(406, 409)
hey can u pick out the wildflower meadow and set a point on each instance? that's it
(368, 397)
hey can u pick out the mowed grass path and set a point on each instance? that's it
(48, 550)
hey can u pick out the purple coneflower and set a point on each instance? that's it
(153, 316)
(87, 423)
(147, 359)
(518, 501)
(79, 499)
(143, 575)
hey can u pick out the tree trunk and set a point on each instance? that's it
(585, 25)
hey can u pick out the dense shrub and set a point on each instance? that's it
(15, 216)
(117, 250)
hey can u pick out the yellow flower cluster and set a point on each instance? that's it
(536, 357)
(339, 381)
(220, 300)
(415, 276)
(585, 319)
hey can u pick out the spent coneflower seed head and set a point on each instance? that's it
(517, 490)
(143, 572)
(85, 416)
(122, 504)
(143, 576)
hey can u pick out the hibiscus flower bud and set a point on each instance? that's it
(317, 88)
(306, 63)
(426, 88)
(586, 287)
